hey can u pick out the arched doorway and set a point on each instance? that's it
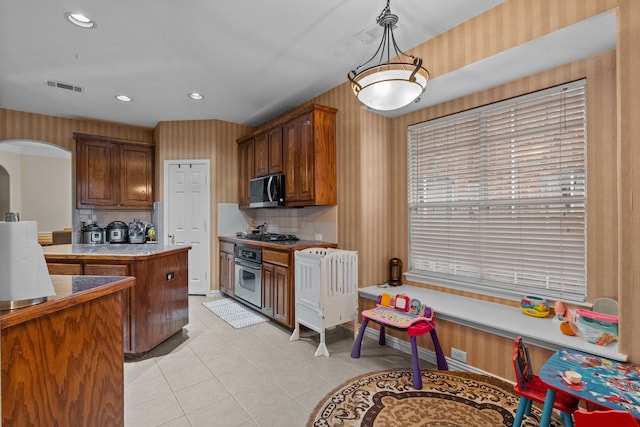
(38, 183)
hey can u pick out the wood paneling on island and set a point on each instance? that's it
(62, 362)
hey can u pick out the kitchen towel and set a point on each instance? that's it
(234, 313)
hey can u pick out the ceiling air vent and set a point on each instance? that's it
(66, 86)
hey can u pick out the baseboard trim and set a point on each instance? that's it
(423, 353)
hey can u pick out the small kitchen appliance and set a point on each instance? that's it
(92, 233)
(267, 191)
(137, 231)
(117, 232)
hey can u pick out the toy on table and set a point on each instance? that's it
(534, 306)
(400, 311)
(410, 315)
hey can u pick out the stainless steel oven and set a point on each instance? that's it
(249, 275)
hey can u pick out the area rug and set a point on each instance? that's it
(234, 313)
(447, 399)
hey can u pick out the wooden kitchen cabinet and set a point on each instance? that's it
(276, 286)
(309, 147)
(65, 269)
(112, 174)
(227, 268)
(246, 169)
(268, 152)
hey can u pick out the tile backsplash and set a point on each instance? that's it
(308, 223)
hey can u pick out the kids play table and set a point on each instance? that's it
(414, 325)
(606, 383)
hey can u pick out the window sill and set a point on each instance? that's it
(498, 319)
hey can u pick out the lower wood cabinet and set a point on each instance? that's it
(277, 288)
(227, 268)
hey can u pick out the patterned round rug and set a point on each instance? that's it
(447, 399)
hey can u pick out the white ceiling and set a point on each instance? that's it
(252, 59)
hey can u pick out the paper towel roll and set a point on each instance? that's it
(23, 269)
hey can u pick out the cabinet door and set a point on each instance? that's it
(223, 273)
(281, 296)
(136, 176)
(299, 158)
(268, 288)
(245, 170)
(106, 270)
(62, 268)
(261, 152)
(96, 166)
(227, 273)
(275, 150)
(231, 277)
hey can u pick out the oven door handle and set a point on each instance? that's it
(250, 265)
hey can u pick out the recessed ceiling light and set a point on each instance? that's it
(80, 20)
(124, 98)
(195, 95)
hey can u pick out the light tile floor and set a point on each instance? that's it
(214, 375)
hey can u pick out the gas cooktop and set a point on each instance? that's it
(270, 237)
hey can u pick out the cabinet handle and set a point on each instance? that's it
(172, 237)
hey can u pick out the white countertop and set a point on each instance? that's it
(111, 249)
(498, 319)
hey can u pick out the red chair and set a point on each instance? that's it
(604, 418)
(531, 388)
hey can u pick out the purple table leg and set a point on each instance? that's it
(417, 375)
(382, 339)
(357, 344)
(442, 361)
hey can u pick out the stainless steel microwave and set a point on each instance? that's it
(266, 191)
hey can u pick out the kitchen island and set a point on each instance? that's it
(157, 307)
(62, 361)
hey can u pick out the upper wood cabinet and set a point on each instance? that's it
(310, 157)
(268, 152)
(112, 174)
(246, 169)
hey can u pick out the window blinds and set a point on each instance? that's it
(497, 198)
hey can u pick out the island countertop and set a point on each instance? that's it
(112, 251)
(70, 291)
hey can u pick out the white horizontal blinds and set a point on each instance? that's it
(497, 195)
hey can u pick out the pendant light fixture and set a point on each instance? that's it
(389, 85)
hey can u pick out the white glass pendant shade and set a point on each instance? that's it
(390, 86)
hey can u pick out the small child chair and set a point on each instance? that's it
(531, 388)
(604, 418)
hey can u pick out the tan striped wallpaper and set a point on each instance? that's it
(371, 150)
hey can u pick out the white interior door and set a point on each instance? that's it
(187, 215)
